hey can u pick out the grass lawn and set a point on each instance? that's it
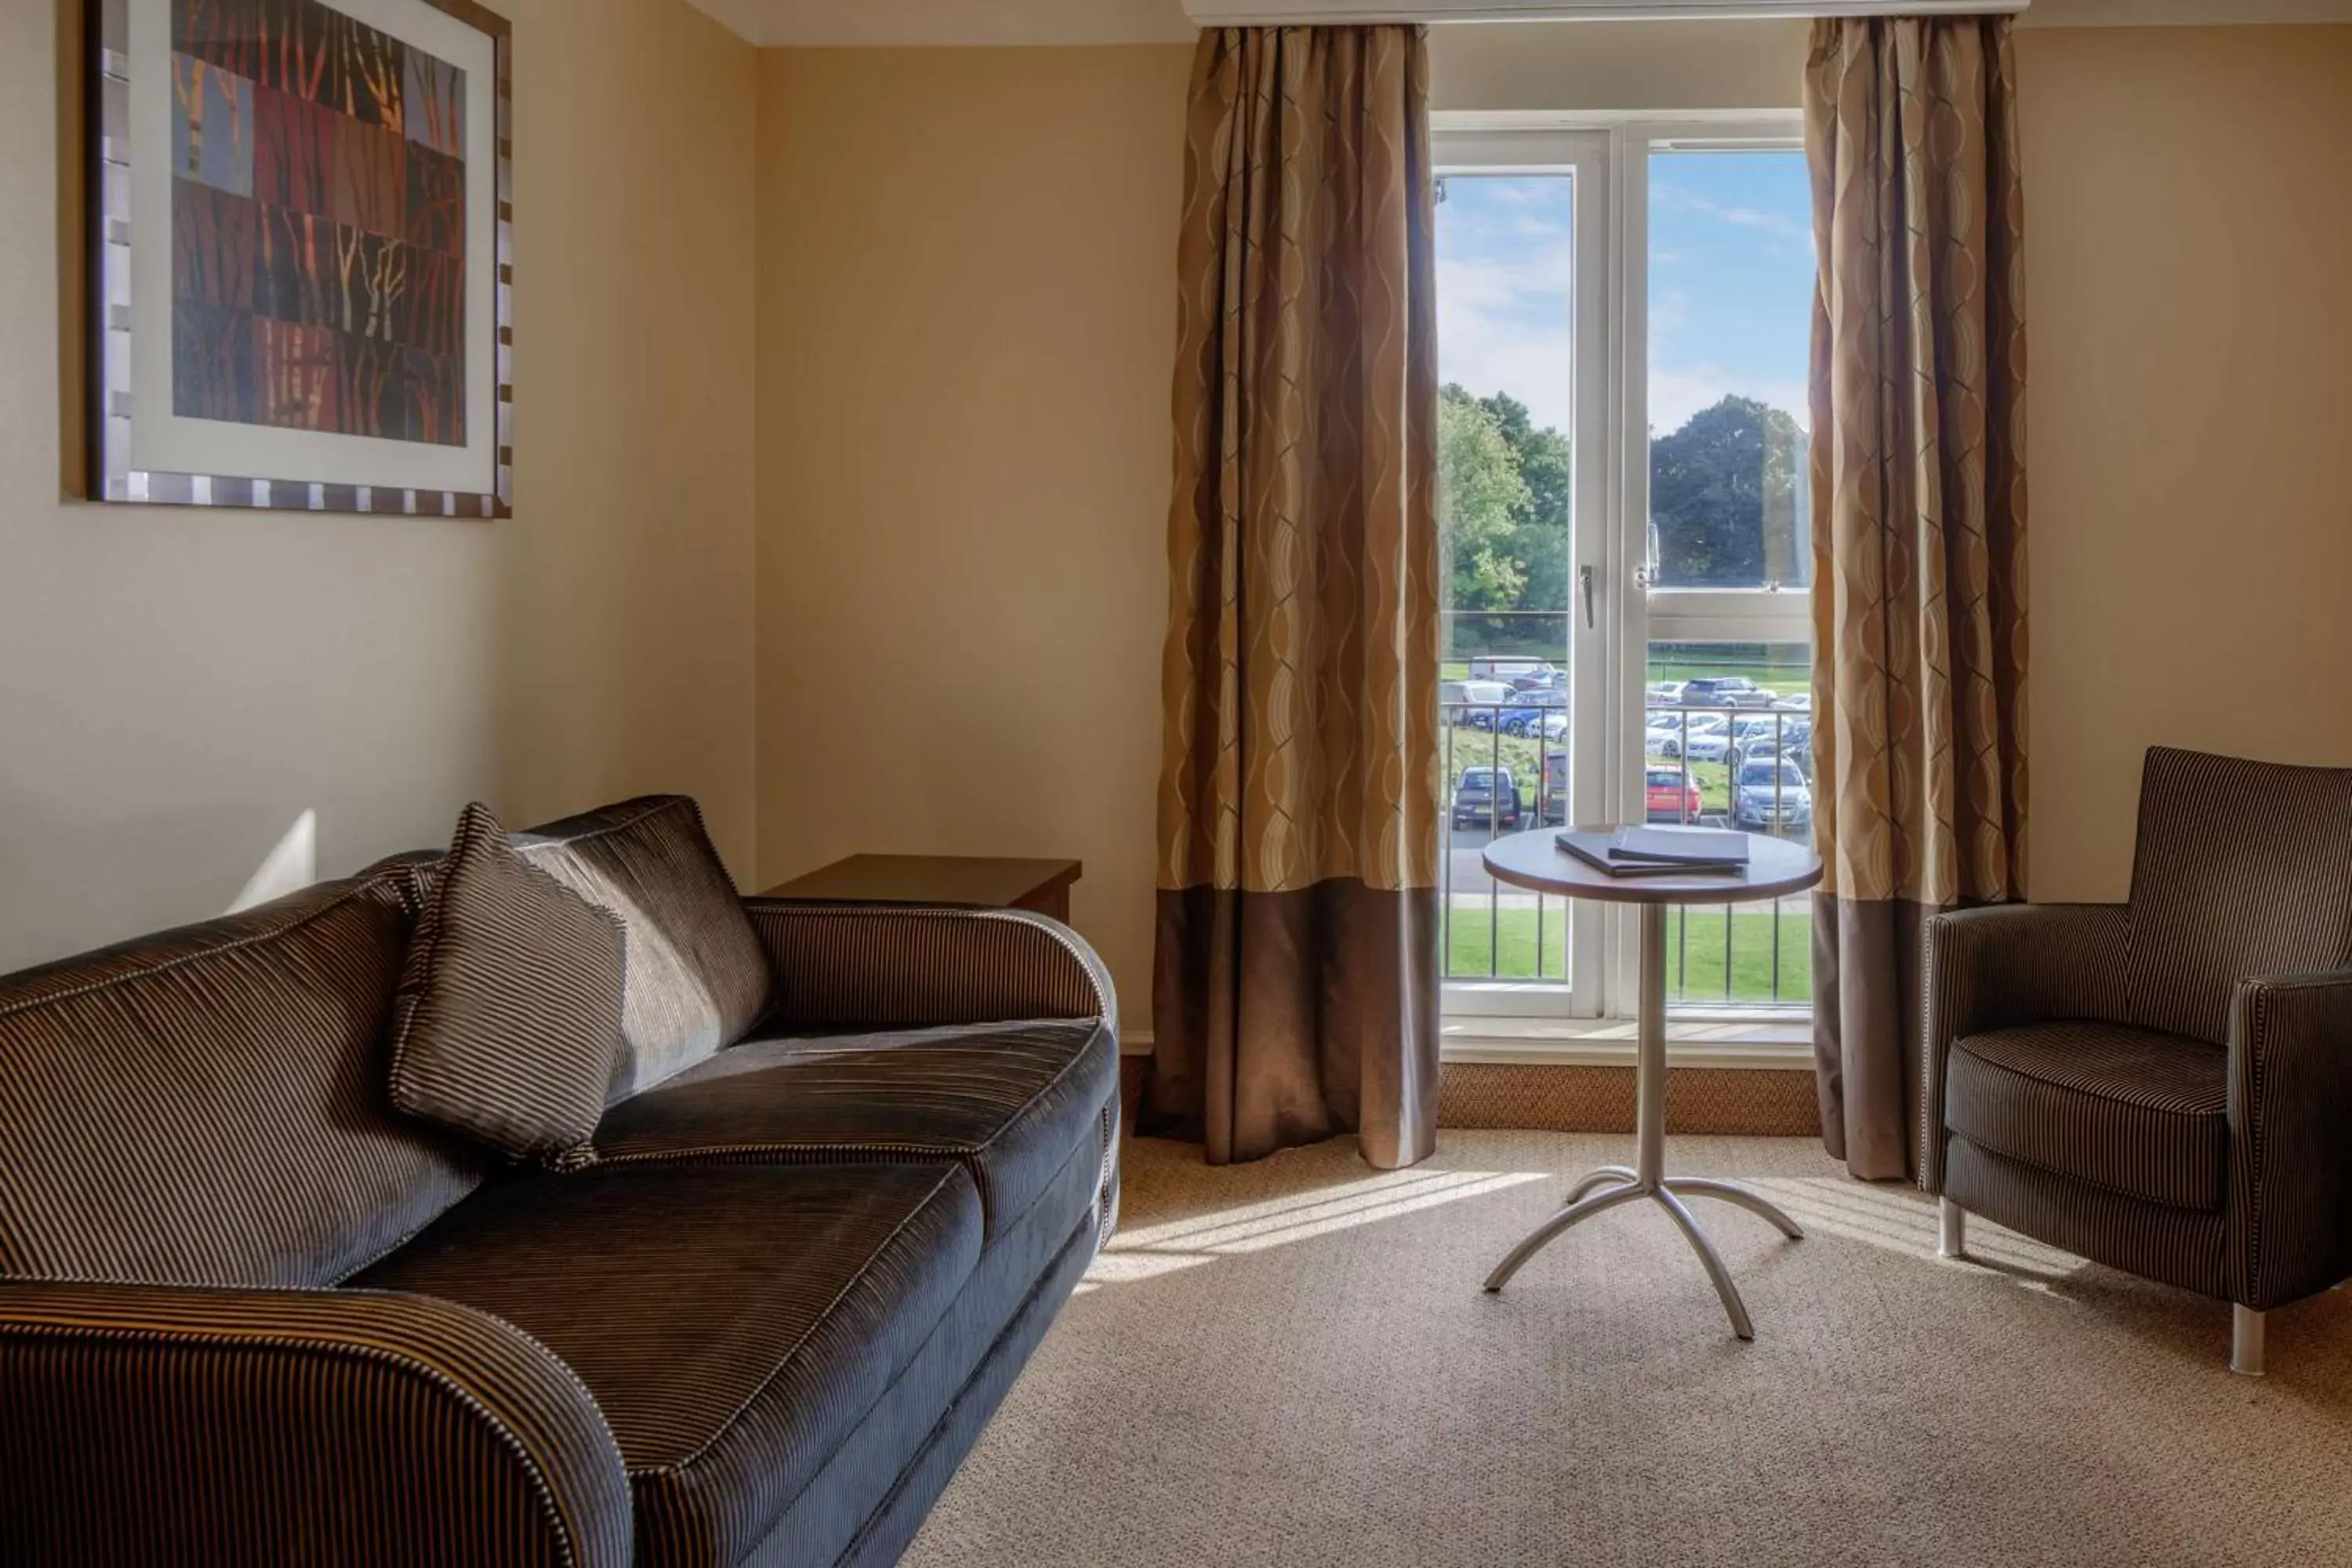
(1694, 972)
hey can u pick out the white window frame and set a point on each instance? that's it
(1609, 153)
(1584, 155)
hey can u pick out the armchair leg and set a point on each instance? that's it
(1951, 1229)
(2245, 1340)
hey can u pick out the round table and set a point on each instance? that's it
(1775, 869)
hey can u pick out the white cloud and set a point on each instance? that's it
(1673, 198)
(1505, 326)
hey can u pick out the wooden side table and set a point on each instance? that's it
(1042, 886)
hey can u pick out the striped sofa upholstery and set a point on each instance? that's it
(252, 1313)
(2165, 1086)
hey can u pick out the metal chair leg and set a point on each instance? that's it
(1553, 1229)
(2245, 1340)
(1951, 1229)
(1733, 1306)
(1705, 1187)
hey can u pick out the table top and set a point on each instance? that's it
(985, 879)
(1532, 860)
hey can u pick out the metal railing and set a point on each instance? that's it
(1488, 742)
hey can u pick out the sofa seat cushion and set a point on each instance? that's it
(2137, 1112)
(1007, 1101)
(734, 1323)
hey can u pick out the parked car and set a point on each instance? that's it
(1662, 694)
(1529, 709)
(1767, 796)
(1472, 702)
(1507, 666)
(1794, 740)
(1725, 691)
(1486, 797)
(1795, 701)
(1551, 795)
(1672, 797)
(1706, 736)
(1715, 690)
(1551, 726)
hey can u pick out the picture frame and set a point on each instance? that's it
(301, 255)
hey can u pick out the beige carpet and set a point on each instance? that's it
(1292, 1362)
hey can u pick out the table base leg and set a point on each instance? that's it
(1583, 1203)
(1611, 1185)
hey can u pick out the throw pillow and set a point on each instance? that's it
(698, 977)
(507, 1022)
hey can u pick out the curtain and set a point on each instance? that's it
(1295, 988)
(1919, 528)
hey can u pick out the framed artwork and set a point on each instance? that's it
(302, 273)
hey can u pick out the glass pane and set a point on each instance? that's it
(1731, 298)
(1506, 264)
(1728, 741)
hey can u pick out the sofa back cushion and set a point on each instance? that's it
(2242, 869)
(207, 1106)
(697, 977)
(509, 1014)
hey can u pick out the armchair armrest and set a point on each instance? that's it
(141, 1424)
(920, 965)
(2010, 964)
(2290, 1137)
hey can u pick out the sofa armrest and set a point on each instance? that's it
(2290, 1137)
(141, 1424)
(880, 964)
(2010, 964)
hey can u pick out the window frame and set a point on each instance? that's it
(1503, 1019)
(1584, 155)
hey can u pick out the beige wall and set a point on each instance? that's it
(2189, 217)
(178, 688)
(1617, 65)
(961, 333)
(967, 330)
(965, 343)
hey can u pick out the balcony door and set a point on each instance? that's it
(1623, 318)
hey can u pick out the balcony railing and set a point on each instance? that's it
(1731, 763)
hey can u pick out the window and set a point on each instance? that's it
(1625, 324)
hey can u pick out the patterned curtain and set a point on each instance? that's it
(1918, 467)
(1295, 987)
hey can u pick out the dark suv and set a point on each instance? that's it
(1724, 692)
(1486, 797)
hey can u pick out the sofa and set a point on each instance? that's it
(252, 1313)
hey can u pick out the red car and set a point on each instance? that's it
(1672, 797)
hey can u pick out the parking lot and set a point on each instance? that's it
(1720, 750)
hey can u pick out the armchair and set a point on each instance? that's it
(2164, 1086)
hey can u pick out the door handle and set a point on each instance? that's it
(1584, 582)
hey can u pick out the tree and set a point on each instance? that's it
(1541, 540)
(1723, 491)
(1480, 497)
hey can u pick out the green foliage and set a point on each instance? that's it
(1723, 494)
(1480, 496)
(1727, 492)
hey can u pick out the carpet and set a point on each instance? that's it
(1292, 1362)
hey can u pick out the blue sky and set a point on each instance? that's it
(1731, 284)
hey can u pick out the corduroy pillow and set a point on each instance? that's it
(508, 1020)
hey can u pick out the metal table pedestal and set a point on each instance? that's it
(1611, 1185)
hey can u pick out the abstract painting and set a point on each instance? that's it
(331, 308)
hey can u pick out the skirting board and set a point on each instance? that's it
(1546, 1098)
